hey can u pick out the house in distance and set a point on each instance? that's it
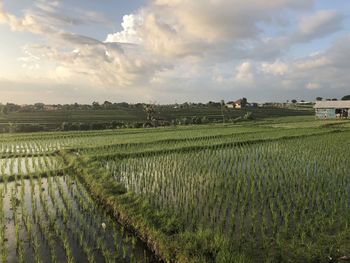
(332, 109)
(240, 104)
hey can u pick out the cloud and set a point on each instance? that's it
(320, 24)
(77, 58)
(48, 17)
(78, 39)
(29, 60)
(312, 86)
(48, 6)
(222, 29)
(221, 19)
(182, 48)
(275, 68)
(324, 72)
(313, 62)
(130, 33)
(195, 28)
(244, 73)
(29, 22)
(312, 27)
(101, 64)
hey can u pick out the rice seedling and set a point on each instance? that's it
(287, 185)
(234, 193)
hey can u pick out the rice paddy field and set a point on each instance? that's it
(276, 191)
(53, 120)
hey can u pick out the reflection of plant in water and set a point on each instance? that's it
(60, 212)
(2, 228)
(44, 227)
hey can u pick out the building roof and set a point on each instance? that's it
(341, 104)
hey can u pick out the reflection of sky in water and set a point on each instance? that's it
(80, 220)
(27, 165)
(28, 148)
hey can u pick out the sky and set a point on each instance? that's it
(167, 51)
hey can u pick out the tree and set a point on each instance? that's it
(123, 104)
(95, 105)
(347, 97)
(107, 104)
(294, 101)
(319, 99)
(244, 102)
(150, 111)
(334, 99)
(11, 107)
(39, 106)
(222, 110)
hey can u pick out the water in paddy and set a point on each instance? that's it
(55, 220)
(26, 165)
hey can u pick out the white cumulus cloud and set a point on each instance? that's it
(130, 33)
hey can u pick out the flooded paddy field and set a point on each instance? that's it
(235, 193)
(27, 165)
(54, 219)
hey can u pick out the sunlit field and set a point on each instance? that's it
(211, 193)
